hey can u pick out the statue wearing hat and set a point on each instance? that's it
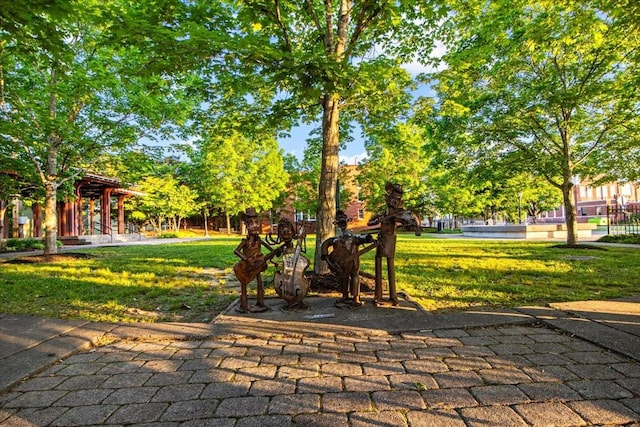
(386, 242)
(252, 262)
(343, 258)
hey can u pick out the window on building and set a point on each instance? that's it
(360, 213)
(583, 211)
(598, 210)
(583, 192)
(305, 216)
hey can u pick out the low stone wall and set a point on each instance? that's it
(100, 239)
(522, 231)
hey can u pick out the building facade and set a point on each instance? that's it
(592, 200)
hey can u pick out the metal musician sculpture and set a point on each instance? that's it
(290, 281)
(343, 258)
(386, 242)
(252, 262)
(284, 238)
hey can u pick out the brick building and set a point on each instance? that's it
(592, 200)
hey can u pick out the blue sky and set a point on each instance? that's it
(297, 142)
(355, 151)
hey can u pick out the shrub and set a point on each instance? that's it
(621, 238)
(168, 236)
(24, 244)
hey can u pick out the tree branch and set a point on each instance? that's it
(314, 15)
(328, 22)
(283, 28)
(363, 23)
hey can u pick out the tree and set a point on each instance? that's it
(527, 196)
(67, 96)
(165, 199)
(556, 82)
(302, 188)
(398, 155)
(331, 59)
(236, 172)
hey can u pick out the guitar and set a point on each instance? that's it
(247, 270)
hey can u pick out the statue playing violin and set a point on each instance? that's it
(386, 242)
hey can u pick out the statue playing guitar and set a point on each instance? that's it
(252, 262)
(342, 255)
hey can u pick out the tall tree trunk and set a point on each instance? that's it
(328, 178)
(3, 209)
(571, 216)
(206, 220)
(568, 194)
(335, 50)
(50, 219)
(228, 217)
(49, 178)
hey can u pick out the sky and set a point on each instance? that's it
(355, 151)
(297, 142)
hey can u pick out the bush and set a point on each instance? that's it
(28, 244)
(24, 244)
(621, 238)
(168, 236)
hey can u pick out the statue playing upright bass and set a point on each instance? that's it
(290, 281)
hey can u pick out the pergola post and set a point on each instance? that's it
(105, 210)
(121, 198)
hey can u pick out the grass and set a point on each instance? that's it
(127, 283)
(178, 282)
(453, 274)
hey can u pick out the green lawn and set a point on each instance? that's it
(178, 282)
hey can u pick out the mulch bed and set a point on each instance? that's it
(328, 283)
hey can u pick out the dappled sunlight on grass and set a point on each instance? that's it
(186, 282)
(443, 274)
(113, 286)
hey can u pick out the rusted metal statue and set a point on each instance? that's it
(343, 258)
(290, 281)
(252, 262)
(386, 242)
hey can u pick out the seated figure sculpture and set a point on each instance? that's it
(343, 258)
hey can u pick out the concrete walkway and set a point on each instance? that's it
(568, 364)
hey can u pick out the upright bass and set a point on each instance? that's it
(291, 284)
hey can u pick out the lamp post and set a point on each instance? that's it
(520, 207)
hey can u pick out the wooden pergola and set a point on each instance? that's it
(90, 211)
(90, 189)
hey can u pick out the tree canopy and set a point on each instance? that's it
(68, 95)
(548, 89)
(555, 82)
